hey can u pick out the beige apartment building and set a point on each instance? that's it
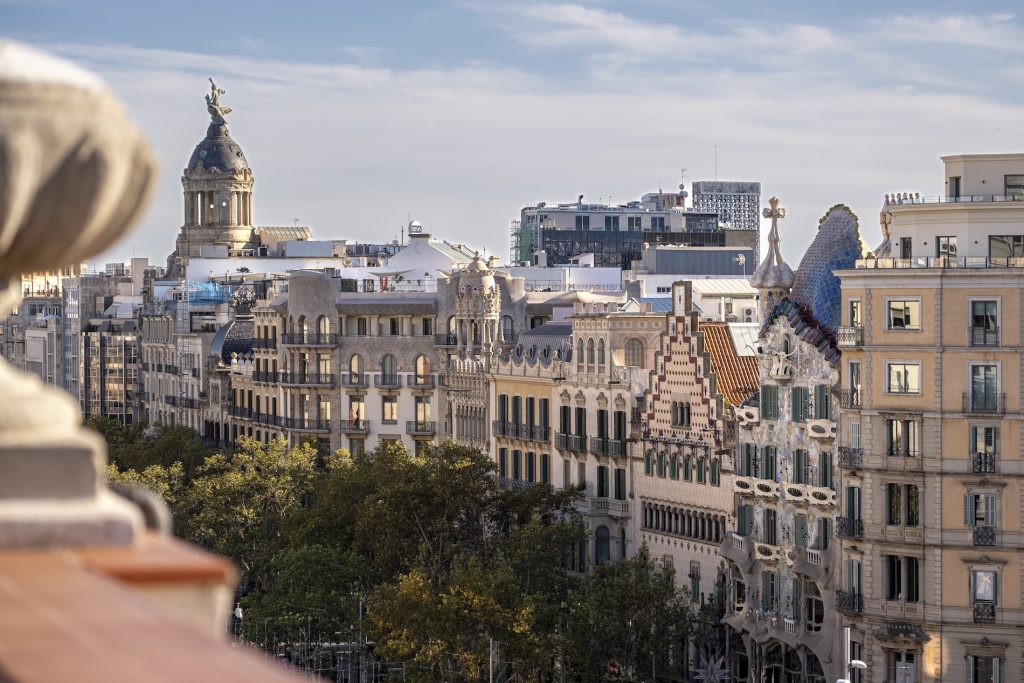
(931, 432)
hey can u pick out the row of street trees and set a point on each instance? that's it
(420, 558)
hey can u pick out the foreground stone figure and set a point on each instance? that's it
(74, 175)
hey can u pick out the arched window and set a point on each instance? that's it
(635, 353)
(590, 353)
(300, 327)
(452, 327)
(687, 469)
(323, 326)
(600, 351)
(602, 545)
(661, 464)
(355, 365)
(422, 369)
(579, 354)
(389, 368)
(507, 331)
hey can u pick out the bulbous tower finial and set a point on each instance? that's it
(773, 278)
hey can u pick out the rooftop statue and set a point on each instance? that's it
(213, 105)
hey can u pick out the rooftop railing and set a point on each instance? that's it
(946, 262)
(906, 198)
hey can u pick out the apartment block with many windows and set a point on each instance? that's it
(931, 432)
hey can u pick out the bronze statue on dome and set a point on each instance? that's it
(213, 105)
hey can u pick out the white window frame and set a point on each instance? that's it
(888, 388)
(888, 320)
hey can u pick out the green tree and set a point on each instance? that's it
(629, 612)
(167, 482)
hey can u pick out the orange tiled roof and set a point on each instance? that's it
(737, 375)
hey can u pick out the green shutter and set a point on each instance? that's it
(969, 509)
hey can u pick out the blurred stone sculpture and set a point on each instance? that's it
(74, 175)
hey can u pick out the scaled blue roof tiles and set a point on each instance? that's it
(837, 246)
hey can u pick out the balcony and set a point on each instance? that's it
(748, 416)
(850, 457)
(241, 411)
(267, 419)
(822, 429)
(599, 445)
(309, 339)
(265, 377)
(269, 343)
(984, 336)
(571, 442)
(387, 381)
(446, 339)
(610, 506)
(308, 379)
(850, 337)
(616, 447)
(983, 463)
(306, 424)
(357, 426)
(850, 527)
(984, 535)
(422, 382)
(851, 399)
(984, 613)
(420, 428)
(354, 380)
(849, 602)
(984, 403)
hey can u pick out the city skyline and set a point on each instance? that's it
(354, 123)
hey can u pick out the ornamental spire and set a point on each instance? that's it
(213, 105)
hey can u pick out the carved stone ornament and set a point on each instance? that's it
(74, 175)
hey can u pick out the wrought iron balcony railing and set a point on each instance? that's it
(354, 380)
(850, 457)
(983, 463)
(984, 336)
(988, 403)
(984, 535)
(420, 427)
(984, 612)
(357, 426)
(571, 442)
(850, 602)
(851, 398)
(850, 337)
(849, 527)
(387, 381)
(309, 339)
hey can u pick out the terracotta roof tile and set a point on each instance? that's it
(737, 375)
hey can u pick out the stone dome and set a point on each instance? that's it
(478, 264)
(218, 151)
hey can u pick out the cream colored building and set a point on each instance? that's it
(931, 432)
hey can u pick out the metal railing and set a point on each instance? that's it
(984, 336)
(849, 527)
(358, 426)
(944, 262)
(850, 398)
(616, 447)
(309, 339)
(912, 199)
(983, 463)
(422, 382)
(984, 612)
(387, 381)
(850, 457)
(354, 379)
(420, 427)
(850, 602)
(850, 337)
(984, 535)
(599, 445)
(983, 403)
(446, 339)
(571, 442)
(264, 343)
(265, 377)
(306, 424)
(307, 379)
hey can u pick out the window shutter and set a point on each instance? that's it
(971, 664)
(990, 511)
(969, 510)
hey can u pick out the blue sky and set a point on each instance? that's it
(355, 116)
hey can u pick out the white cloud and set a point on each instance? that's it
(353, 149)
(990, 32)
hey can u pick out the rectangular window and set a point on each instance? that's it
(582, 222)
(769, 402)
(389, 410)
(602, 481)
(566, 474)
(356, 446)
(801, 399)
(984, 323)
(768, 522)
(395, 328)
(581, 475)
(545, 469)
(983, 586)
(427, 327)
(657, 223)
(801, 466)
(893, 577)
(565, 419)
(906, 248)
(362, 327)
(982, 440)
(912, 579)
(945, 247)
(984, 388)
(901, 438)
(745, 520)
(893, 504)
(825, 477)
(633, 223)
(980, 509)
(769, 591)
(1014, 186)
(544, 409)
(602, 423)
(984, 669)
(503, 462)
(824, 533)
(620, 483)
(854, 312)
(904, 314)
(517, 465)
(531, 467)
(531, 411)
(611, 223)
(1005, 246)
(800, 530)
(903, 378)
(581, 421)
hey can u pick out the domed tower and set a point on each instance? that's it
(773, 279)
(217, 186)
(477, 310)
